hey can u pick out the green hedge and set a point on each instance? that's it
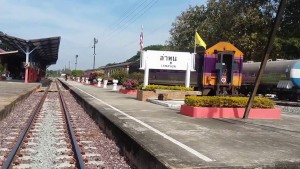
(181, 88)
(226, 101)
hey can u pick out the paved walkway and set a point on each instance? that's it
(11, 92)
(184, 142)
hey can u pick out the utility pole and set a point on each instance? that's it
(268, 50)
(76, 56)
(69, 66)
(95, 42)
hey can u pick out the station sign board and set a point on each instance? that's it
(166, 60)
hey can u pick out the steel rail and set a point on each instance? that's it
(75, 147)
(16, 147)
(287, 103)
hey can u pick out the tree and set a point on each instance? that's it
(244, 23)
(119, 75)
(287, 44)
(183, 29)
(53, 73)
(77, 73)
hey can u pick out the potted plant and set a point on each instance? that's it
(118, 76)
(105, 81)
(129, 86)
(99, 77)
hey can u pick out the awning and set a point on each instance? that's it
(46, 52)
(3, 53)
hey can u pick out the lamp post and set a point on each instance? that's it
(95, 41)
(76, 56)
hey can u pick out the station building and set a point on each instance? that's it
(127, 67)
(27, 59)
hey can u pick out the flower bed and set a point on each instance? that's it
(130, 84)
(126, 91)
(225, 112)
(228, 107)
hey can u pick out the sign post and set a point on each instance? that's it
(166, 60)
(146, 75)
(187, 75)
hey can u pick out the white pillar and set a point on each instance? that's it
(27, 63)
(99, 82)
(188, 75)
(105, 83)
(115, 84)
(146, 75)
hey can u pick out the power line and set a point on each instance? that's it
(127, 13)
(143, 12)
(132, 19)
(124, 17)
(140, 13)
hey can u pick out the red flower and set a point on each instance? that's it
(130, 84)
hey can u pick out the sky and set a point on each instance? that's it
(116, 24)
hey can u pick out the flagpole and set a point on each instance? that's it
(195, 41)
(141, 39)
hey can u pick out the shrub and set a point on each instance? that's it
(130, 84)
(226, 101)
(77, 73)
(1, 69)
(181, 88)
(119, 75)
(99, 73)
(138, 76)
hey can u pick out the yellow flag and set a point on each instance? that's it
(199, 41)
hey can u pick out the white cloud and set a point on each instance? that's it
(78, 22)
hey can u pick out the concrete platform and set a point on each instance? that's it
(13, 91)
(179, 141)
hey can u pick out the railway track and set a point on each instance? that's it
(287, 103)
(53, 137)
(63, 153)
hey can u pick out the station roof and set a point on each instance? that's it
(46, 51)
(3, 52)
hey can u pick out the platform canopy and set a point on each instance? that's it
(46, 49)
(3, 52)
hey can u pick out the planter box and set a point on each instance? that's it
(144, 95)
(126, 91)
(170, 94)
(215, 112)
(176, 94)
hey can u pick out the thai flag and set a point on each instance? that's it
(141, 40)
